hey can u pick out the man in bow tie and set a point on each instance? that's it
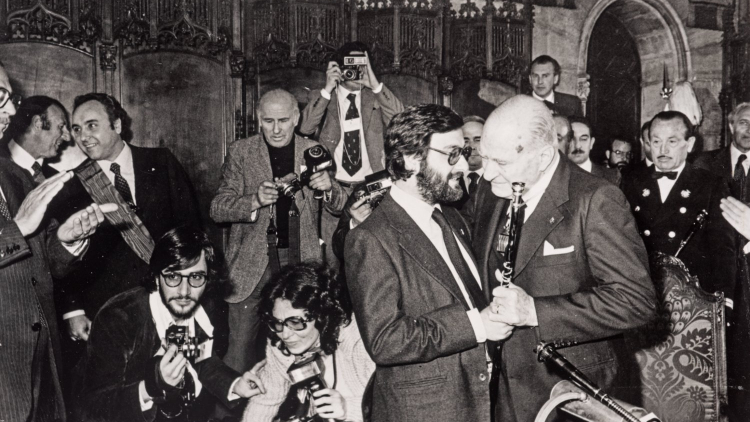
(667, 200)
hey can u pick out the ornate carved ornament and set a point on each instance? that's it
(108, 56)
(237, 64)
(315, 54)
(272, 54)
(42, 24)
(186, 34)
(134, 30)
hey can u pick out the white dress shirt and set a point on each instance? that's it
(22, 157)
(666, 185)
(550, 97)
(734, 153)
(587, 165)
(533, 195)
(421, 213)
(125, 160)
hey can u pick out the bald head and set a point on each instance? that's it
(519, 142)
(278, 113)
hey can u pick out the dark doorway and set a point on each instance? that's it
(614, 103)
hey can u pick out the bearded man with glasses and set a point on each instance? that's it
(131, 370)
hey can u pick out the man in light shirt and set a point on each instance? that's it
(131, 371)
(351, 114)
(544, 76)
(581, 272)
(419, 302)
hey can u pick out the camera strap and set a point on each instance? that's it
(294, 234)
(272, 240)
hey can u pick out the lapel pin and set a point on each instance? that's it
(685, 193)
(552, 220)
(646, 193)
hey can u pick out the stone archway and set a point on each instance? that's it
(660, 38)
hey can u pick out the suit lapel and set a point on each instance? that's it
(368, 99)
(724, 163)
(415, 243)
(12, 186)
(492, 210)
(145, 172)
(333, 116)
(545, 217)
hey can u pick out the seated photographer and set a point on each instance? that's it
(257, 179)
(309, 317)
(149, 355)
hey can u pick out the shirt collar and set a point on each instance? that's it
(550, 97)
(733, 151)
(419, 210)
(163, 318)
(587, 165)
(678, 170)
(541, 185)
(125, 159)
(345, 92)
(479, 171)
(22, 157)
(649, 163)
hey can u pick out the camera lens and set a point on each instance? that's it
(350, 74)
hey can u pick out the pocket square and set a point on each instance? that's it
(551, 250)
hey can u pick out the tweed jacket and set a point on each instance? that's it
(246, 167)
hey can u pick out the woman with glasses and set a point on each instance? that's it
(308, 313)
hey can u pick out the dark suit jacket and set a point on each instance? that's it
(123, 340)
(413, 322)
(566, 105)
(611, 175)
(711, 253)
(377, 111)
(597, 289)
(28, 327)
(165, 199)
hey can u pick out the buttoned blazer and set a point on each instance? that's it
(165, 198)
(246, 167)
(377, 111)
(582, 260)
(413, 321)
(27, 309)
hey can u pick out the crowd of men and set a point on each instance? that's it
(414, 211)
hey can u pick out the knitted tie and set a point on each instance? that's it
(352, 158)
(457, 258)
(36, 174)
(473, 183)
(122, 185)
(4, 211)
(740, 180)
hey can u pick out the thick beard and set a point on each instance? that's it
(174, 310)
(434, 188)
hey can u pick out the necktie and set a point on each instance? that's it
(671, 175)
(122, 185)
(4, 210)
(739, 187)
(457, 258)
(551, 106)
(352, 158)
(474, 182)
(36, 173)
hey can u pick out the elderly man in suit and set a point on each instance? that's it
(579, 151)
(29, 254)
(421, 306)
(544, 76)
(154, 194)
(581, 271)
(247, 191)
(732, 164)
(353, 114)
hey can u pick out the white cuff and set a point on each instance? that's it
(352, 224)
(477, 325)
(78, 247)
(254, 215)
(327, 196)
(232, 396)
(378, 89)
(71, 314)
(746, 249)
(325, 94)
(143, 397)
(729, 303)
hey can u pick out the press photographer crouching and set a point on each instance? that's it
(150, 353)
(317, 367)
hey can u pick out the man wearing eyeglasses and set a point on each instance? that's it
(619, 154)
(30, 251)
(421, 306)
(581, 272)
(132, 370)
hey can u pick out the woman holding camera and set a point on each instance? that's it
(309, 316)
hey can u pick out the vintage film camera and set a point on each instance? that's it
(317, 158)
(354, 67)
(306, 378)
(178, 335)
(375, 187)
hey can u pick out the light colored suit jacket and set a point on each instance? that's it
(377, 111)
(246, 167)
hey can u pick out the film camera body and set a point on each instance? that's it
(306, 378)
(317, 158)
(354, 67)
(188, 346)
(375, 187)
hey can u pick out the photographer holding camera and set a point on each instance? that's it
(269, 228)
(150, 355)
(354, 108)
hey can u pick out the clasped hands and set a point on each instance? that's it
(510, 307)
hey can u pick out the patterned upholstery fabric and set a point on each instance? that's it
(681, 355)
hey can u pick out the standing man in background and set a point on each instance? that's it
(544, 76)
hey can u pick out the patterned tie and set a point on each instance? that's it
(122, 185)
(457, 258)
(36, 174)
(473, 183)
(352, 159)
(4, 210)
(739, 187)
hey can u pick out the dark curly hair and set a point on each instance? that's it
(316, 288)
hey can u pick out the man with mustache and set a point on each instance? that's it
(36, 132)
(731, 163)
(666, 201)
(579, 150)
(132, 372)
(419, 302)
